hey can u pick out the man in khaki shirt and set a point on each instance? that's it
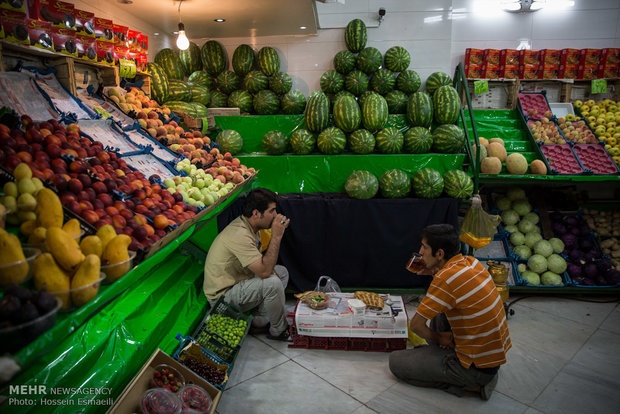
(236, 268)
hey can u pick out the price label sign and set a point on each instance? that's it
(127, 68)
(481, 86)
(599, 86)
(105, 114)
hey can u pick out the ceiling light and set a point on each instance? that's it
(182, 40)
(156, 34)
(523, 6)
(303, 27)
(219, 20)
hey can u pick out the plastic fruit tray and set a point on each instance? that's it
(187, 350)
(531, 102)
(566, 281)
(594, 157)
(562, 159)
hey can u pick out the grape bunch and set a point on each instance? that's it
(230, 329)
(206, 371)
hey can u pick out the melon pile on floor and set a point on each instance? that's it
(493, 157)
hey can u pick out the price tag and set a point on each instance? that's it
(481, 86)
(127, 68)
(599, 86)
(105, 114)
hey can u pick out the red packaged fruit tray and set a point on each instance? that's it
(595, 158)
(534, 105)
(561, 159)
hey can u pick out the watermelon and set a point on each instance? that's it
(457, 184)
(190, 59)
(317, 112)
(355, 35)
(218, 100)
(344, 62)
(361, 185)
(255, 81)
(356, 82)
(397, 59)
(369, 60)
(331, 82)
(427, 183)
(230, 141)
(227, 81)
(362, 141)
(418, 140)
(213, 57)
(420, 110)
(408, 81)
(184, 107)
(396, 101)
(331, 141)
(383, 81)
(200, 94)
(435, 80)
(446, 105)
(362, 98)
(243, 60)
(374, 112)
(347, 114)
(169, 61)
(200, 110)
(280, 83)
(303, 142)
(293, 102)
(201, 78)
(159, 83)
(275, 142)
(341, 94)
(268, 60)
(448, 139)
(394, 184)
(266, 102)
(179, 91)
(242, 100)
(389, 140)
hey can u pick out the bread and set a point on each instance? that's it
(371, 299)
(311, 296)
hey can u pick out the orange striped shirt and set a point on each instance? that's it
(464, 290)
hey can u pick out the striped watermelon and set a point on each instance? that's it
(389, 140)
(169, 61)
(227, 81)
(200, 94)
(213, 57)
(397, 59)
(435, 80)
(418, 140)
(369, 60)
(344, 61)
(293, 102)
(448, 139)
(427, 183)
(255, 81)
(242, 100)
(268, 60)
(446, 105)
(383, 81)
(280, 83)
(347, 114)
(199, 110)
(243, 60)
(331, 82)
(275, 142)
(408, 81)
(341, 94)
(230, 141)
(355, 35)
(179, 91)
(356, 82)
(420, 110)
(331, 141)
(303, 142)
(218, 100)
(361, 185)
(159, 83)
(374, 112)
(190, 59)
(362, 141)
(394, 184)
(396, 101)
(201, 78)
(457, 184)
(184, 107)
(266, 102)
(317, 112)
(362, 98)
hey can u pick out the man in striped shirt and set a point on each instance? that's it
(468, 335)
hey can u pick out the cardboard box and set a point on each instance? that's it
(610, 56)
(509, 57)
(14, 26)
(529, 57)
(120, 35)
(84, 22)
(588, 72)
(491, 56)
(86, 47)
(568, 72)
(490, 71)
(104, 30)
(570, 57)
(473, 71)
(549, 71)
(527, 71)
(474, 56)
(590, 57)
(510, 71)
(129, 400)
(132, 40)
(40, 34)
(58, 13)
(105, 52)
(18, 6)
(606, 71)
(550, 57)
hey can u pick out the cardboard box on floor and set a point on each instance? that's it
(129, 400)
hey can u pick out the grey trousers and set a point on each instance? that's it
(434, 367)
(265, 297)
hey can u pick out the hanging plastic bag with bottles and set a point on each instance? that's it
(479, 227)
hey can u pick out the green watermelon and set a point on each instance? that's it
(341, 94)
(457, 184)
(184, 107)
(255, 81)
(243, 60)
(394, 184)
(179, 91)
(200, 111)
(397, 59)
(362, 98)
(159, 83)
(362, 141)
(446, 105)
(356, 82)
(201, 78)
(355, 35)
(369, 60)
(266, 102)
(317, 112)
(200, 94)
(331, 82)
(227, 81)
(280, 83)
(435, 80)
(230, 141)
(408, 81)
(303, 142)
(418, 140)
(331, 141)
(242, 100)
(396, 101)
(389, 140)
(374, 112)
(169, 61)
(213, 57)
(293, 102)
(268, 61)
(448, 139)
(420, 110)
(347, 114)
(361, 185)
(383, 81)
(275, 142)
(190, 59)
(218, 100)
(344, 62)
(427, 183)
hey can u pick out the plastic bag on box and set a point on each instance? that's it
(478, 227)
(327, 284)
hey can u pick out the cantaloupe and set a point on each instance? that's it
(495, 149)
(516, 164)
(483, 152)
(496, 139)
(483, 141)
(538, 167)
(491, 165)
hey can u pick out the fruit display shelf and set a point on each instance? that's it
(206, 365)
(566, 281)
(595, 158)
(561, 159)
(534, 104)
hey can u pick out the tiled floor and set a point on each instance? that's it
(565, 359)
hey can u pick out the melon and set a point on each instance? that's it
(483, 141)
(516, 164)
(538, 167)
(491, 165)
(501, 141)
(495, 149)
(483, 152)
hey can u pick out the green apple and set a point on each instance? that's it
(10, 189)
(178, 179)
(200, 183)
(169, 182)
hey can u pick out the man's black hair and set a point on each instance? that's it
(442, 236)
(258, 199)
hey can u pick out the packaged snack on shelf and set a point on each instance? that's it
(610, 56)
(120, 52)
(39, 33)
(86, 47)
(120, 35)
(590, 56)
(104, 30)
(144, 43)
(491, 56)
(529, 57)
(588, 71)
(14, 25)
(58, 13)
(142, 66)
(548, 71)
(84, 22)
(550, 57)
(473, 71)
(608, 70)
(474, 56)
(133, 40)
(509, 71)
(509, 57)
(570, 56)
(64, 41)
(105, 52)
(528, 71)
(490, 71)
(568, 71)
(18, 6)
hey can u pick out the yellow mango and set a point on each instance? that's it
(64, 248)
(49, 210)
(115, 257)
(27, 227)
(106, 233)
(72, 227)
(91, 245)
(37, 238)
(83, 286)
(11, 252)
(47, 274)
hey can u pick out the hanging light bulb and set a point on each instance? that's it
(182, 40)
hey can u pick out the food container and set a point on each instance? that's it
(195, 398)
(160, 401)
(498, 271)
(20, 271)
(115, 271)
(357, 306)
(74, 298)
(168, 378)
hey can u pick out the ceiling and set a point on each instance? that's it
(244, 18)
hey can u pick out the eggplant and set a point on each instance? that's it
(612, 276)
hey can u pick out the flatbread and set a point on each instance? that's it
(371, 299)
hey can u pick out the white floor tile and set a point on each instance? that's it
(600, 355)
(364, 410)
(588, 313)
(612, 323)
(533, 411)
(255, 357)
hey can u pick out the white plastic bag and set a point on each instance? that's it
(327, 284)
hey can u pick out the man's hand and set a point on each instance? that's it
(445, 339)
(279, 224)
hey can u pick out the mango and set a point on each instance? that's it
(64, 248)
(47, 274)
(83, 286)
(91, 245)
(114, 253)
(37, 238)
(72, 227)
(106, 233)
(49, 209)
(27, 227)
(11, 252)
